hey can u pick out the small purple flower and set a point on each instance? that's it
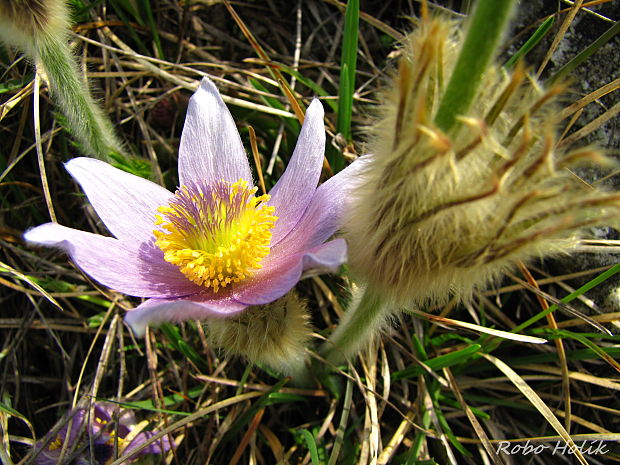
(212, 248)
(80, 431)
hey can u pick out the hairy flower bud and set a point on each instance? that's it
(23, 23)
(443, 214)
(275, 334)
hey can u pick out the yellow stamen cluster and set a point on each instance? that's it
(216, 235)
(56, 443)
(110, 432)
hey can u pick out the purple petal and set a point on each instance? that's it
(45, 455)
(125, 267)
(211, 149)
(293, 191)
(104, 413)
(325, 257)
(324, 215)
(159, 446)
(280, 276)
(156, 311)
(270, 282)
(127, 204)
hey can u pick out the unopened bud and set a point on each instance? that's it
(275, 334)
(442, 214)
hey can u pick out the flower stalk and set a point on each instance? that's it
(87, 121)
(486, 28)
(40, 29)
(364, 318)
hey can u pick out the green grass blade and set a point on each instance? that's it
(292, 124)
(174, 337)
(4, 268)
(311, 443)
(449, 433)
(437, 363)
(11, 412)
(583, 289)
(564, 334)
(14, 84)
(418, 441)
(309, 83)
(541, 32)
(262, 402)
(147, 405)
(145, 6)
(585, 54)
(348, 65)
(118, 7)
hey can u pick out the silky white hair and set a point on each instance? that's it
(443, 214)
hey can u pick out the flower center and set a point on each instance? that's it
(56, 443)
(215, 234)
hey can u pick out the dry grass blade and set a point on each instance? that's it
(559, 344)
(91, 349)
(106, 351)
(15, 100)
(342, 426)
(480, 432)
(189, 84)
(427, 402)
(272, 69)
(372, 21)
(479, 329)
(39, 148)
(591, 126)
(576, 437)
(256, 156)
(21, 276)
(143, 61)
(247, 437)
(605, 318)
(274, 443)
(591, 97)
(397, 438)
(560, 35)
(582, 421)
(537, 402)
(562, 306)
(261, 387)
(185, 421)
(370, 372)
(578, 376)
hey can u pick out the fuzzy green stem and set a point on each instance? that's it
(86, 120)
(489, 19)
(361, 322)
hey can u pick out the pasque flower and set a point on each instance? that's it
(448, 205)
(91, 437)
(212, 248)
